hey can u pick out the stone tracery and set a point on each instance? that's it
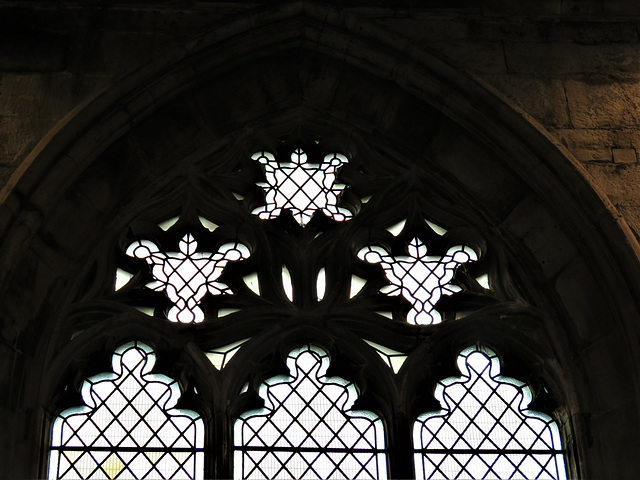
(301, 187)
(420, 278)
(187, 275)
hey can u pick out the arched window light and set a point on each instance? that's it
(297, 266)
(128, 427)
(307, 429)
(485, 429)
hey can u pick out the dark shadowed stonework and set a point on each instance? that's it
(520, 117)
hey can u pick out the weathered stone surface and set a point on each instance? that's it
(600, 357)
(597, 138)
(545, 239)
(542, 98)
(32, 103)
(613, 423)
(589, 319)
(572, 65)
(567, 58)
(592, 154)
(33, 52)
(591, 33)
(478, 57)
(624, 155)
(620, 182)
(601, 102)
(631, 214)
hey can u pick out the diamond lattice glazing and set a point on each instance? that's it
(301, 187)
(187, 275)
(306, 429)
(420, 278)
(129, 427)
(485, 429)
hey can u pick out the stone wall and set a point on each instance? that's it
(572, 66)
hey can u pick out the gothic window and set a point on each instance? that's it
(306, 319)
(307, 428)
(485, 429)
(129, 426)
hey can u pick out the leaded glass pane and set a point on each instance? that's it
(186, 276)
(485, 429)
(307, 429)
(301, 187)
(392, 358)
(220, 356)
(128, 427)
(422, 279)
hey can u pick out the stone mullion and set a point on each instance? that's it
(400, 448)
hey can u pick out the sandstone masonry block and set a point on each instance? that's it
(477, 57)
(33, 52)
(567, 58)
(631, 214)
(620, 182)
(605, 104)
(591, 154)
(624, 155)
(592, 33)
(542, 98)
(435, 28)
(591, 138)
(601, 357)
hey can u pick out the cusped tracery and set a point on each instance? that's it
(301, 187)
(303, 279)
(186, 276)
(484, 429)
(422, 279)
(129, 426)
(307, 428)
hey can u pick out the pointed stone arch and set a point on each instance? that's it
(310, 65)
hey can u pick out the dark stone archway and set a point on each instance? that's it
(306, 66)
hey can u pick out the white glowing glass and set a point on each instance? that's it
(357, 283)
(484, 429)
(307, 429)
(166, 225)
(146, 310)
(252, 282)
(420, 278)
(286, 283)
(122, 278)
(220, 357)
(483, 280)
(301, 187)
(185, 276)
(392, 358)
(209, 225)
(128, 427)
(436, 228)
(321, 284)
(397, 228)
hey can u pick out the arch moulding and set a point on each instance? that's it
(307, 66)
